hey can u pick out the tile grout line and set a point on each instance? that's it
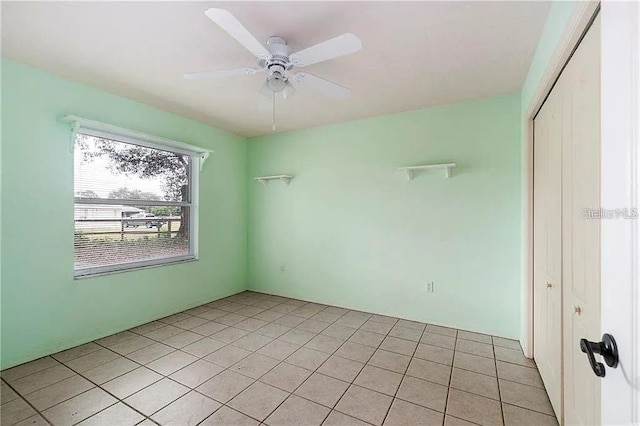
(317, 368)
(417, 343)
(38, 412)
(279, 363)
(531, 410)
(209, 320)
(330, 355)
(424, 330)
(232, 343)
(297, 387)
(41, 413)
(96, 385)
(446, 401)
(139, 365)
(163, 375)
(139, 390)
(258, 292)
(365, 364)
(262, 310)
(283, 361)
(106, 391)
(225, 368)
(495, 363)
(276, 365)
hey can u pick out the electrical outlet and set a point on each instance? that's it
(428, 287)
(283, 268)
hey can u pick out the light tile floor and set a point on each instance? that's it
(255, 359)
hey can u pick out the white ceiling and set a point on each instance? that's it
(414, 55)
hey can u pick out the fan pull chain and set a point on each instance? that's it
(273, 127)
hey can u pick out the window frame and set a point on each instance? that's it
(196, 159)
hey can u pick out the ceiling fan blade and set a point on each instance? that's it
(333, 48)
(321, 85)
(235, 29)
(222, 73)
(289, 90)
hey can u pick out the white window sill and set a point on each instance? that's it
(134, 268)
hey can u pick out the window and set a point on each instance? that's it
(134, 203)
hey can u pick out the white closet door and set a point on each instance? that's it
(581, 234)
(548, 247)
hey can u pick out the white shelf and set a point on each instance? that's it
(412, 169)
(265, 179)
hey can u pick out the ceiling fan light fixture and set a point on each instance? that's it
(276, 82)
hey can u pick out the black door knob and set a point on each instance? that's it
(607, 348)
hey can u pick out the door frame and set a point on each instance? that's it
(620, 136)
(620, 187)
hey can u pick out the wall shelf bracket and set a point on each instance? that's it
(75, 127)
(410, 170)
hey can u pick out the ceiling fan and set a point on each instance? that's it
(276, 60)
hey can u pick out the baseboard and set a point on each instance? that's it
(389, 314)
(86, 339)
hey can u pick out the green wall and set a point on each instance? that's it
(350, 229)
(557, 19)
(43, 308)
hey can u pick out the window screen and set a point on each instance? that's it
(133, 205)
